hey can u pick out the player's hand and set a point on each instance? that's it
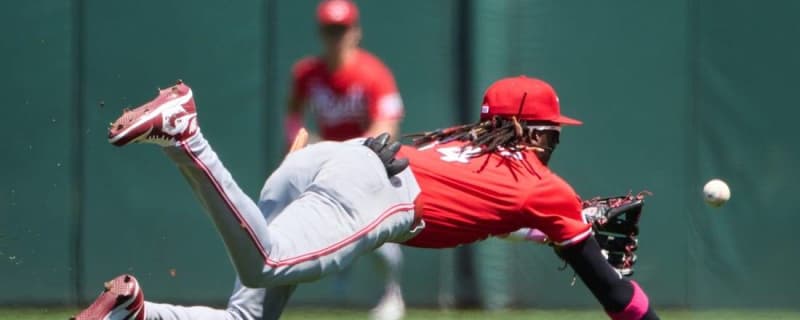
(386, 152)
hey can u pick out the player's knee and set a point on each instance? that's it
(251, 282)
(252, 279)
(258, 277)
(271, 276)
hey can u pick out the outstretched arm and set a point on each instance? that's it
(615, 224)
(621, 298)
(602, 260)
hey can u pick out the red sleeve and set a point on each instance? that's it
(300, 75)
(555, 209)
(384, 99)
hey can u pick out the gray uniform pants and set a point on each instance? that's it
(325, 206)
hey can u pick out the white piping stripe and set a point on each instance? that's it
(575, 239)
(152, 115)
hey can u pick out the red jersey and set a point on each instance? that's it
(465, 199)
(346, 101)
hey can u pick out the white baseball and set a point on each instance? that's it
(716, 192)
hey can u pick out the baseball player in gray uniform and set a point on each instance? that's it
(332, 202)
(285, 241)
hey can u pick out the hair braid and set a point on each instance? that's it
(489, 135)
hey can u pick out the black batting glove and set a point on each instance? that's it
(386, 152)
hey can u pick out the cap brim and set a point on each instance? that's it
(336, 23)
(568, 121)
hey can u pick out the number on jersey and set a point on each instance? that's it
(463, 155)
(458, 154)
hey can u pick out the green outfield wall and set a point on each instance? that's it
(672, 93)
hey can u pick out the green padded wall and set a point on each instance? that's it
(36, 186)
(673, 93)
(140, 216)
(744, 120)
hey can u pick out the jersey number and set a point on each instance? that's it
(458, 154)
(463, 155)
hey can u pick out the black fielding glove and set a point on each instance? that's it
(615, 221)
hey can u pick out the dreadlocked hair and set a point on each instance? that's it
(489, 136)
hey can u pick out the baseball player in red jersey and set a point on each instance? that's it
(334, 201)
(351, 94)
(350, 91)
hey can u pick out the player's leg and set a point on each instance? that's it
(164, 311)
(275, 300)
(273, 200)
(389, 261)
(621, 298)
(351, 207)
(245, 304)
(123, 298)
(170, 121)
(237, 218)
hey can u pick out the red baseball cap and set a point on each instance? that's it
(341, 12)
(527, 98)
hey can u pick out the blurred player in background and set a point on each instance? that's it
(351, 94)
(350, 91)
(331, 202)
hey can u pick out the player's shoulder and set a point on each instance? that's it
(367, 57)
(562, 185)
(372, 64)
(307, 65)
(554, 190)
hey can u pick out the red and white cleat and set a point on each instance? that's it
(121, 299)
(166, 120)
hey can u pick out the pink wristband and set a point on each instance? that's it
(636, 308)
